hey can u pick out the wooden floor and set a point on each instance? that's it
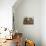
(9, 43)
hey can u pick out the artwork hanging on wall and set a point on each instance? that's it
(28, 20)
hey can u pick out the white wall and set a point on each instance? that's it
(43, 22)
(29, 8)
(6, 13)
(6, 18)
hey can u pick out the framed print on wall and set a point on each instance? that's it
(28, 20)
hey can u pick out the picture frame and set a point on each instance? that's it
(29, 21)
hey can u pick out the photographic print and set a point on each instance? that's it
(28, 21)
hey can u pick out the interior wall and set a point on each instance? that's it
(6, 17)
(29, 8)
(43, 22)
(6, 13)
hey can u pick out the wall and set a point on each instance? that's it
(29, 8)
(6, 13)
(43, 22)
(6, 17)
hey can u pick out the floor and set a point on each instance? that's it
(9, 43)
